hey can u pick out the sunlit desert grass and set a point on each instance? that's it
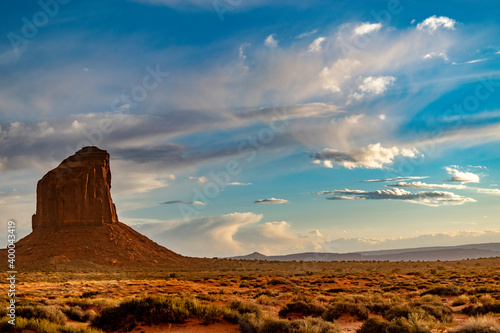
(255, 296)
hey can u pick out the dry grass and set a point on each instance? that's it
(480, 325)
(315, 297)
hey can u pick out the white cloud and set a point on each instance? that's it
(354, 119)
(174, 202)
(315, 46)
(346, 191)
(270, 41)
(242, 57)
(238, 184)
(306, 34)
(333, 77)
(395, 179)
(373, 86)
(271, 201)
(199, 180)
(434, 198)
(427, 186)
(436, 55)
(425, 240)
(372, 157)
(433, 23)
(228, 235)
(492, 191)
(207, 236)
(328, 164)
(461, 176)
(130, 177)
(367, 28)
(476, 61)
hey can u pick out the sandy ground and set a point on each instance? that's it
(189, 327)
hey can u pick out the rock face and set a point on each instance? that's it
(77, 192)
(76, 224)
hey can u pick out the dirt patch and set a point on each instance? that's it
(194, 326)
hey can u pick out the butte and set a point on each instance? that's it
(76, 223)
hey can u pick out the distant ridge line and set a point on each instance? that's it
(434, 253)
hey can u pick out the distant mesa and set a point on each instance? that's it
(76, 221)
(444, 253)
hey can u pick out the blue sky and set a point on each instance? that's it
(278, 127)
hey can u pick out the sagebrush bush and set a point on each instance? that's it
(51, 313)
(374, 325)
(480, 325)
(154, 311)
(335, 311)
(42, 326)
(304, 306)
(313, 325)
(441, 313)
(415, 323)
(399, 311)
(251, 323)
(76, 313)
(461, 300)
(444, 291)
(277, 281)
(474, 310)
(408, 325)
(245, 307)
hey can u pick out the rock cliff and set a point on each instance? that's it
(76, 222)
(77, 192)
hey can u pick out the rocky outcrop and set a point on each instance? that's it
(76, 224)
(77, 192)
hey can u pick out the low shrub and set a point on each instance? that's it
(415, 323)
(474, 310)
(277, 281)
(153, 311)
(480, 325)
(50, 313)
(245, 307)
(42, 326)
(461, 300)
(335, 311)
(304, 306)
(444, 291)
(399, 311)
(373, 325)
(440, 312)
(76, 313)
(313, 325)
(250, 323)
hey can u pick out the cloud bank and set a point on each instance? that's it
(372, 157)
(271, 201)
(461, 176)
(228, 235)
(434, 198)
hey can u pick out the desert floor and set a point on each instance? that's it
(245, 296)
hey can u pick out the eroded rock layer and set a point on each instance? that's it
(77, 192)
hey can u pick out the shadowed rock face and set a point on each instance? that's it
(76, 222)
(77, 192)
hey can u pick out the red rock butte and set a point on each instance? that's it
(77, 192)
(76, 223)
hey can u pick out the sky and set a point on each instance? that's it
(237, 126)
